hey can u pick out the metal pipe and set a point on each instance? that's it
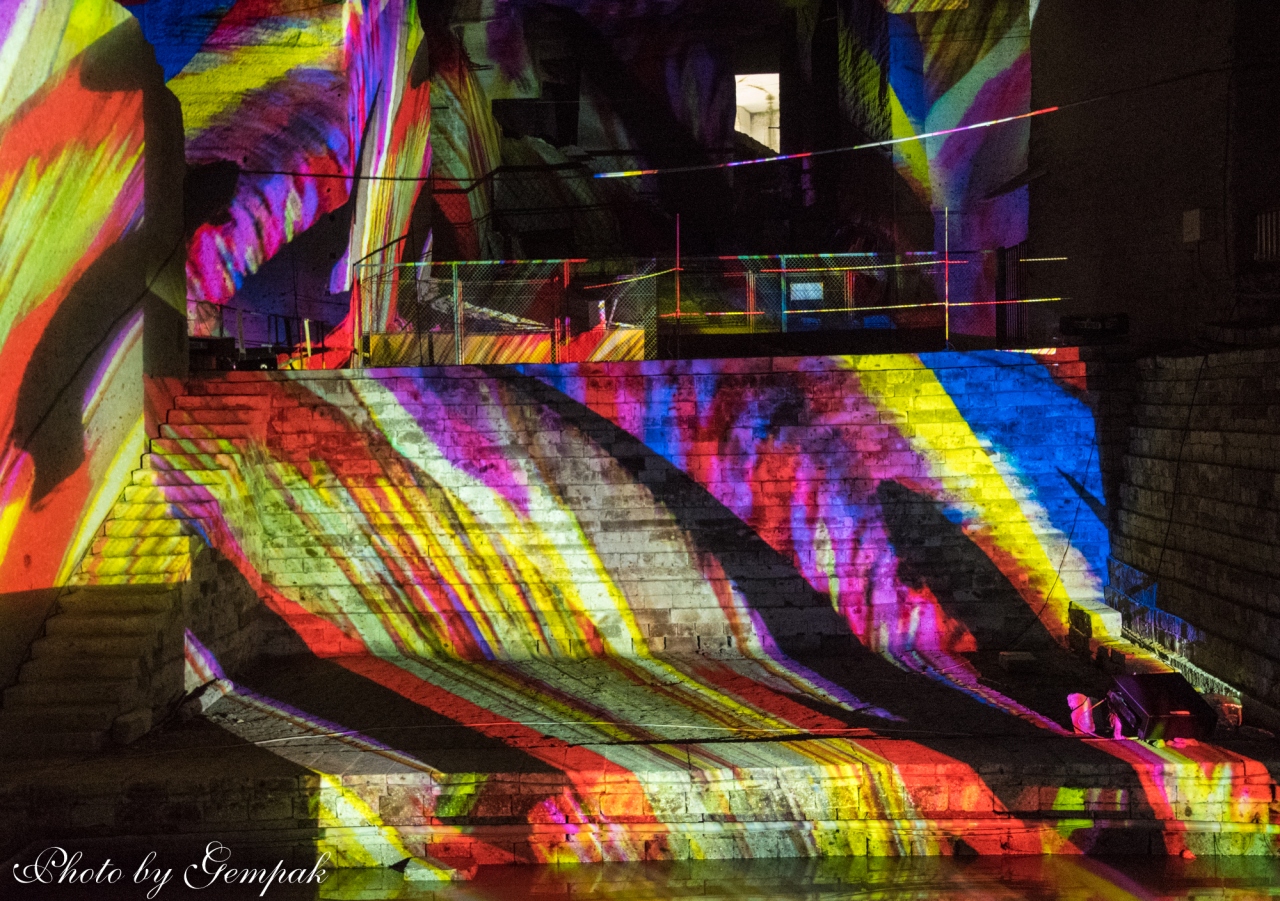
(946, 269)
(457, 318)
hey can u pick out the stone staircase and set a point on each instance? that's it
(108, 658)
(149, 536)
(110, 662)
(341, 491)
(291, 469)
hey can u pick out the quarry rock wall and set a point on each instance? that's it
(91, 286)
(1196, 571)
(915, 504)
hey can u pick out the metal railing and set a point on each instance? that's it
(495, 311)
(574, 310)
(578, 310)
(256, 335)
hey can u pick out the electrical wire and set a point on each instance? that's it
(1057, 576)
(809, 154)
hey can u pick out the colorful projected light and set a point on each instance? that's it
(534, 557)
(73, 162)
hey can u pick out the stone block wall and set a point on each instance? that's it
(1199, 521)
(966, 486)
(913, 504)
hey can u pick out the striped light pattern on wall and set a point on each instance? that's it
(612, 568)
(72, 160)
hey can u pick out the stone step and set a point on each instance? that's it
(81, 580)
(242, 401)
(177, 478)
(60, 717)
(182, 461)
(135, 512)
(217, 416)
(68, 692)
(137, 565)
(189, 446)
(132, 646)
(59, 669)
(201, 431)
(237, 382)
(108, 625)
(88, 601)
(166, 494)
(138, 547)
(146, 528)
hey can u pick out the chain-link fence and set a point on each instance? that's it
(737, 295)
(533, 311)
(574, 310)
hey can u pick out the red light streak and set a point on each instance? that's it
(632, 173)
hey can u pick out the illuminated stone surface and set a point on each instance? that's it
(657, 611)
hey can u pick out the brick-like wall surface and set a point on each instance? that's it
(961, 475)
(1200, 515)
(943, 502)
(582, 568)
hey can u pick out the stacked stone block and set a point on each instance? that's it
(658, 495)
(264, 466)
(1200, 515)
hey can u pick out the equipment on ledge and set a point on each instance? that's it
(1161, 706)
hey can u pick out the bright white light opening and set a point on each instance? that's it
(806, 291)
(758, 109)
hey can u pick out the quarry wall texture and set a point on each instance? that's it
(715, 608)
(938, 503)
(91, 287)
(1197, 570)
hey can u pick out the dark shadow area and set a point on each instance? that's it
(294, 283)
(705, 199)
(207, 193)
(22, 616)
(934, 553)
(327, 690)
(1098, 508)
(935, 714)
(172, 790)
(125, 280)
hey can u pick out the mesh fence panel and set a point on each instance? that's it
(513, 312)
(580, 310)
(612, 307)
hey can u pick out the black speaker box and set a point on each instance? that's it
(1161, 706)
(258, 358)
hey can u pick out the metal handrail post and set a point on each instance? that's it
(782, 280)
(357, 327)
(946, 270)
(457, 318)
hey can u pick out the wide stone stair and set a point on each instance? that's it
(109, 657)
(109, 664)
(325, 485)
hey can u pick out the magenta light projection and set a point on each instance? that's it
(76, 234)
(293, 111)
(610, 569)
